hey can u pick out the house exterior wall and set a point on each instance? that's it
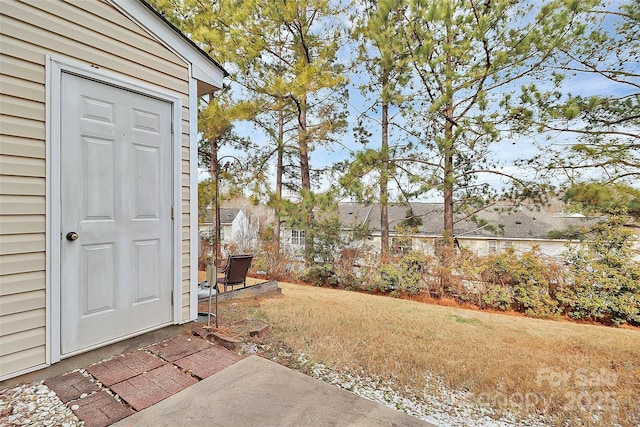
(292, 240)
(237, 235)
(482, 247)
(92, 33)
(243, 232)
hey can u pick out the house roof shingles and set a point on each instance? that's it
(525, 222)
(227, 215)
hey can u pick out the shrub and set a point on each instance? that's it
(389, 280)
(605, 276)
(276, 265)
(404, 276)
(320, 275)
(497, 268)
(531, 288)
(600, 281)
(524, 282)
(496, 296)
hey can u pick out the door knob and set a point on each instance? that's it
(72, 236)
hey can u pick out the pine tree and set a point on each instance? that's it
(468, 57)
(592, 136)
(382, 57)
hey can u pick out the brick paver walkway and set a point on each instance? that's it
(101, 409)
(144, 390)
(178, 347)
(124, 367)
(71, 386)
(117, 388)
(207, 362)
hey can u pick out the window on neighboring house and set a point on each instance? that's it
(492, 245)
(401, 245)
(508, 244)
(297, 237)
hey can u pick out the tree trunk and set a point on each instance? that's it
(384, 174)
(279, 170)
(449, 180)
(304, 146)
(305, 175)
(214, 169)
(448, 149)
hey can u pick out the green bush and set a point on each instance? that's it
(531, 289)
(348, 281)
(605, 277)
(521, 282)
(497, 297)
(320, 275)
(405, 276)
(599, 281)
(389, 280)
(497, 268)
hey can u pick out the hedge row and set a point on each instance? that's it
(599, 281)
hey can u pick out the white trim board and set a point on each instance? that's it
(194, 238)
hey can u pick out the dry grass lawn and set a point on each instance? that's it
(573, 374)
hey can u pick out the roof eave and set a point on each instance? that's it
(204, 69)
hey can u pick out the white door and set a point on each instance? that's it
(116, 196)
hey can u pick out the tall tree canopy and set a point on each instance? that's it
(283, 55)
(382, 60)
(591, 113)
(468, 58)
(447, 82)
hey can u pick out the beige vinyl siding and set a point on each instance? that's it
(21, 205)
(22, 185)
(21, 243)
(22, 304)
(28, 148)
(25, 320)
(21, 360)
(22, 263)
(93, 33)
(22, 282)
(21, 166)
(185, 181)
(20, 224)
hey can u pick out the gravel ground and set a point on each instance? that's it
(448, 409)
(34, 405)
(440, 406)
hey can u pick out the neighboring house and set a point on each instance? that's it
(237, 233)
(98, 185)
(498, 228)
(495, 229)
(292, 240)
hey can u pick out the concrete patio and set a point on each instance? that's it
(188, 379)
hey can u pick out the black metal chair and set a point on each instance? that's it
(235, 271)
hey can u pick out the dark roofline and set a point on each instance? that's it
(505, 224)
(184, 36)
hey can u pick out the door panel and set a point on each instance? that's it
(97, 270)
(100, 179)
(146, 259)
(116, 194)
